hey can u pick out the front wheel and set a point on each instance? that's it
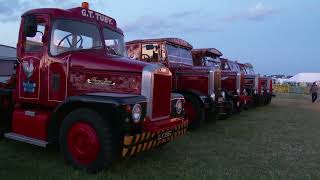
(194, 111)
(86, 141)
(268, 100)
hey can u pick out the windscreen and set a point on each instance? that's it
(114, 42)
(179, 55)
(70, 35)
(250, 70)
(211, 61)
(234, 67)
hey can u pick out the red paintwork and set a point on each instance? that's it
(228, 75)
(157, 126)
(163, 99)
(188, 76)
(231, 77)
(264, 85)
(83, 143)
(31, 126)
(249, 81)
(73, 70)
(76, 13)
(185, 77)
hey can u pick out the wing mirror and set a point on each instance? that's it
(30, 26)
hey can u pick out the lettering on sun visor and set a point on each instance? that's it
(98, 17)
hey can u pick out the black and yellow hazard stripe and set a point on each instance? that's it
(147, 140)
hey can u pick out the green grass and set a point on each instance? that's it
(279, 141)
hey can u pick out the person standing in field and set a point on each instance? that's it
(314, 92)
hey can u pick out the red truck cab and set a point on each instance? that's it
(74, 86)
(260, 88)
(266, 89)
(199, 85)
(231, 78)
(233, 81)
(251, 82)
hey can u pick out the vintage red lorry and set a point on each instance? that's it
(231, 78)
(199, 85)
(251, 83)
(74, 87)
(260, 88)
(267, 89)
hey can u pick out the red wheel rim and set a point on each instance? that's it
(190, 111)
(83, 143)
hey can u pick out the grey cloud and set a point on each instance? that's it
(173, 24)
(257, 13)
(11, 11)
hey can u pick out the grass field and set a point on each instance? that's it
(279, 141)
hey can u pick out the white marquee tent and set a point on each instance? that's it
(305, 78)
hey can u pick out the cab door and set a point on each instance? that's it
(31, 54)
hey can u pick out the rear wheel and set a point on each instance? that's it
(195, 112)
(5, 114)
(268, 100)
(86, 141)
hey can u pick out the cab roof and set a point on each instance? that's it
(248, 65)
(79, 13)
(209, 51)
(176, 41)
(245, 64)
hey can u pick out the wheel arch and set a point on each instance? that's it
(107, 105)
(191, 93)
(64, 109)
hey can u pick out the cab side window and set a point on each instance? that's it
(34, 44)
(150, 52)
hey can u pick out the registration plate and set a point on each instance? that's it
(220, 99)
(165, 134)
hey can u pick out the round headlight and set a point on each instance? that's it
(136, 113)
(238, 91)
(179, 106)
(255, 91)
(223, 94)
(213, 96)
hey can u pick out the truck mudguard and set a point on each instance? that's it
(105, 101)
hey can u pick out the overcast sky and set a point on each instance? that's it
(275, 36)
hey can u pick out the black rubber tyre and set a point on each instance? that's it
(6, 116)
(268, 100)
(109, 144)
(200, 113)
(228, 110)
(261, 100)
